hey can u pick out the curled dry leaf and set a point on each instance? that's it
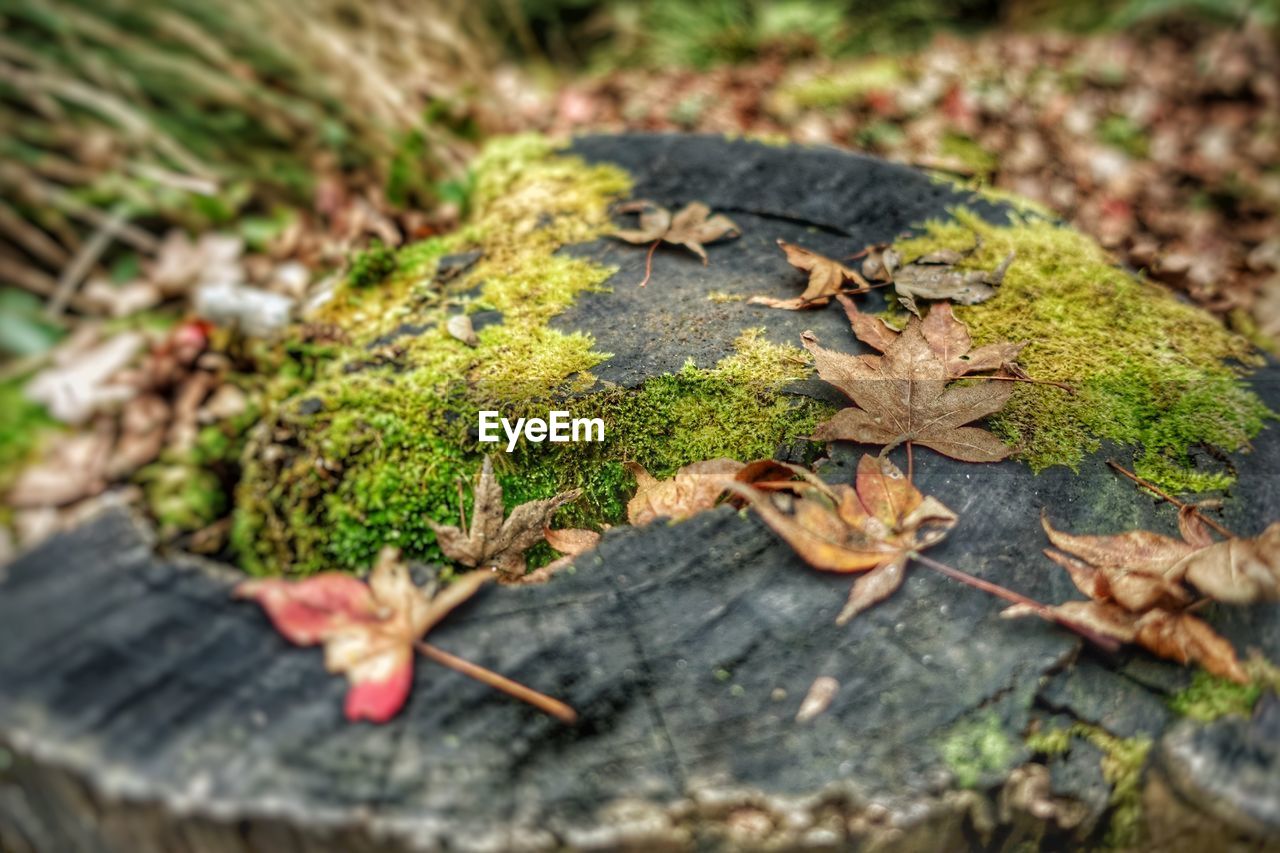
(873, 526)
(1134, 581)
(818, 699)
(905, 394)
(571, 543)
(83, 379)
(495, 543)
(934, 276)
(692, 226)
(368, 630)
(827, 278)
(459, 326)
(695, 487)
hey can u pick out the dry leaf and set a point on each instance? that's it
(459, 326)
(818, 699)
(827, 278)
(1134, 579)
(692, 226)
(368, 630)
(571, 543)
(934, 276)
(1237, 571)
(873, 526)
(694, 488)
(495, 543)
(72, 467)
(82, 382)
(904, 394)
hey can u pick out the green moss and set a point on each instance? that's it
(974, 749)
(1150, 371)
(968, 153)
(22, 424)
(380, 440)
(1123, 760)
(372, 266)
(1208, 697)
(844, 86)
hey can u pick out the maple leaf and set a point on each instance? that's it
(934, 276)
(368, 630)
(691, 227)
(1134, 584)
(571, 543)
(694, 488)
(874, 526)
(827, 278)
(905, 395)
(492, 542)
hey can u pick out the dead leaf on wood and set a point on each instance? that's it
(827, 278)
(492, 542)
(905, 394)
(934, 276)
(368, 630)
(818, 699)
(694, 488)
(692, 226)
(873, 526)
(1235, 571)
(1134, 583)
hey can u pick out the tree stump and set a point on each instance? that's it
(143, 709)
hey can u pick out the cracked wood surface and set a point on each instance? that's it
(142, 709)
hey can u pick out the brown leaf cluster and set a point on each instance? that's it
(906, 394)
(1137, 584)
(873, 526)
(934, 276)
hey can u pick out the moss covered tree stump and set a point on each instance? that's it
(142, 709)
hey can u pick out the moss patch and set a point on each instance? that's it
(1208, 697)
(381, 441)
(1123, 760)
(975, 749)
(1151, 372)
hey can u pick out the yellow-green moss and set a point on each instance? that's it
(1123, 760)
(379, 443)
(1208, 697)
(1151, 372)
(976, 748)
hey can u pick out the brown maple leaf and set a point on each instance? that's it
(827, 278)
(1134, 582)
(934, 276)
(694, 488)
(691, 227)
(874, 526)
(905, 394)
(370, 631)
(571, 543)
(492, 542)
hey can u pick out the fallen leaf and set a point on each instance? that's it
(904, 394)
(827, 278)
(495, 543)
(934, 276)
(80, 382)
(818, 699)
(72, 467)
(873, 526)
(368, 630)
(692, 226)
(1134, 583)
(459, 326)
(571, 543)
(1235, 571)
(695, 487)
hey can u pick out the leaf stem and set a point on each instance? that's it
(541, 701)
(648, 263)
(1158, 492)
(1062, 385)
(1043, 611)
